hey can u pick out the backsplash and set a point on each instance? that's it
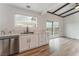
(21, 30)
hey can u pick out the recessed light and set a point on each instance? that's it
(77, 7)
(28, 6)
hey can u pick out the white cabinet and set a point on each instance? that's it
(24, 43)
(30, 41)
(42, 39)
(33, 41)
(47, 38)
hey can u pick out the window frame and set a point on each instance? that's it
(26, 16)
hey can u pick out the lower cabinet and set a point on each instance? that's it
(42, 39)
(23, 43)
(33, 41)
(30, 41)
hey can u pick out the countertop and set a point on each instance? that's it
(8, 36)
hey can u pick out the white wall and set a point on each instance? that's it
(71, 27)
(7, 18)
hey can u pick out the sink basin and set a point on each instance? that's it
(28, 33)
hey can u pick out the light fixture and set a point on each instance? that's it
(77, 6)
(28, 6)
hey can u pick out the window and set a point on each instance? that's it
(49, 24)
(49, 27)
(25, 21)
(52, 28)
(56, 29)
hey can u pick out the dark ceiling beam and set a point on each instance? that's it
(60, 8)
(54, 14)
(70, 14)
(68, 10)
(58, 15)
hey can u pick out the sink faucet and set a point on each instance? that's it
(10, 32)
(2, 32)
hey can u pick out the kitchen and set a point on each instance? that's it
(30, 34)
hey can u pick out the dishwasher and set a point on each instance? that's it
(9, 45)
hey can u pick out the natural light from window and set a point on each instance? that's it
(25, 21)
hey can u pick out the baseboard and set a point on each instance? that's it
(63, 36)
(71, 38)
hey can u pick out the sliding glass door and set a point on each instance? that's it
(56, 29)
(52, 29)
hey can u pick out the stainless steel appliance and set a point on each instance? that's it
(9, 44)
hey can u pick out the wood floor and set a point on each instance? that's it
(68, 47)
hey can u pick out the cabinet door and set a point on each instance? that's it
(33, 41)
(42, 39)
(47, 38)
(24, 44)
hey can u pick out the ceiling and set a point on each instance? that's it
(59, 9)
(37, 7)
